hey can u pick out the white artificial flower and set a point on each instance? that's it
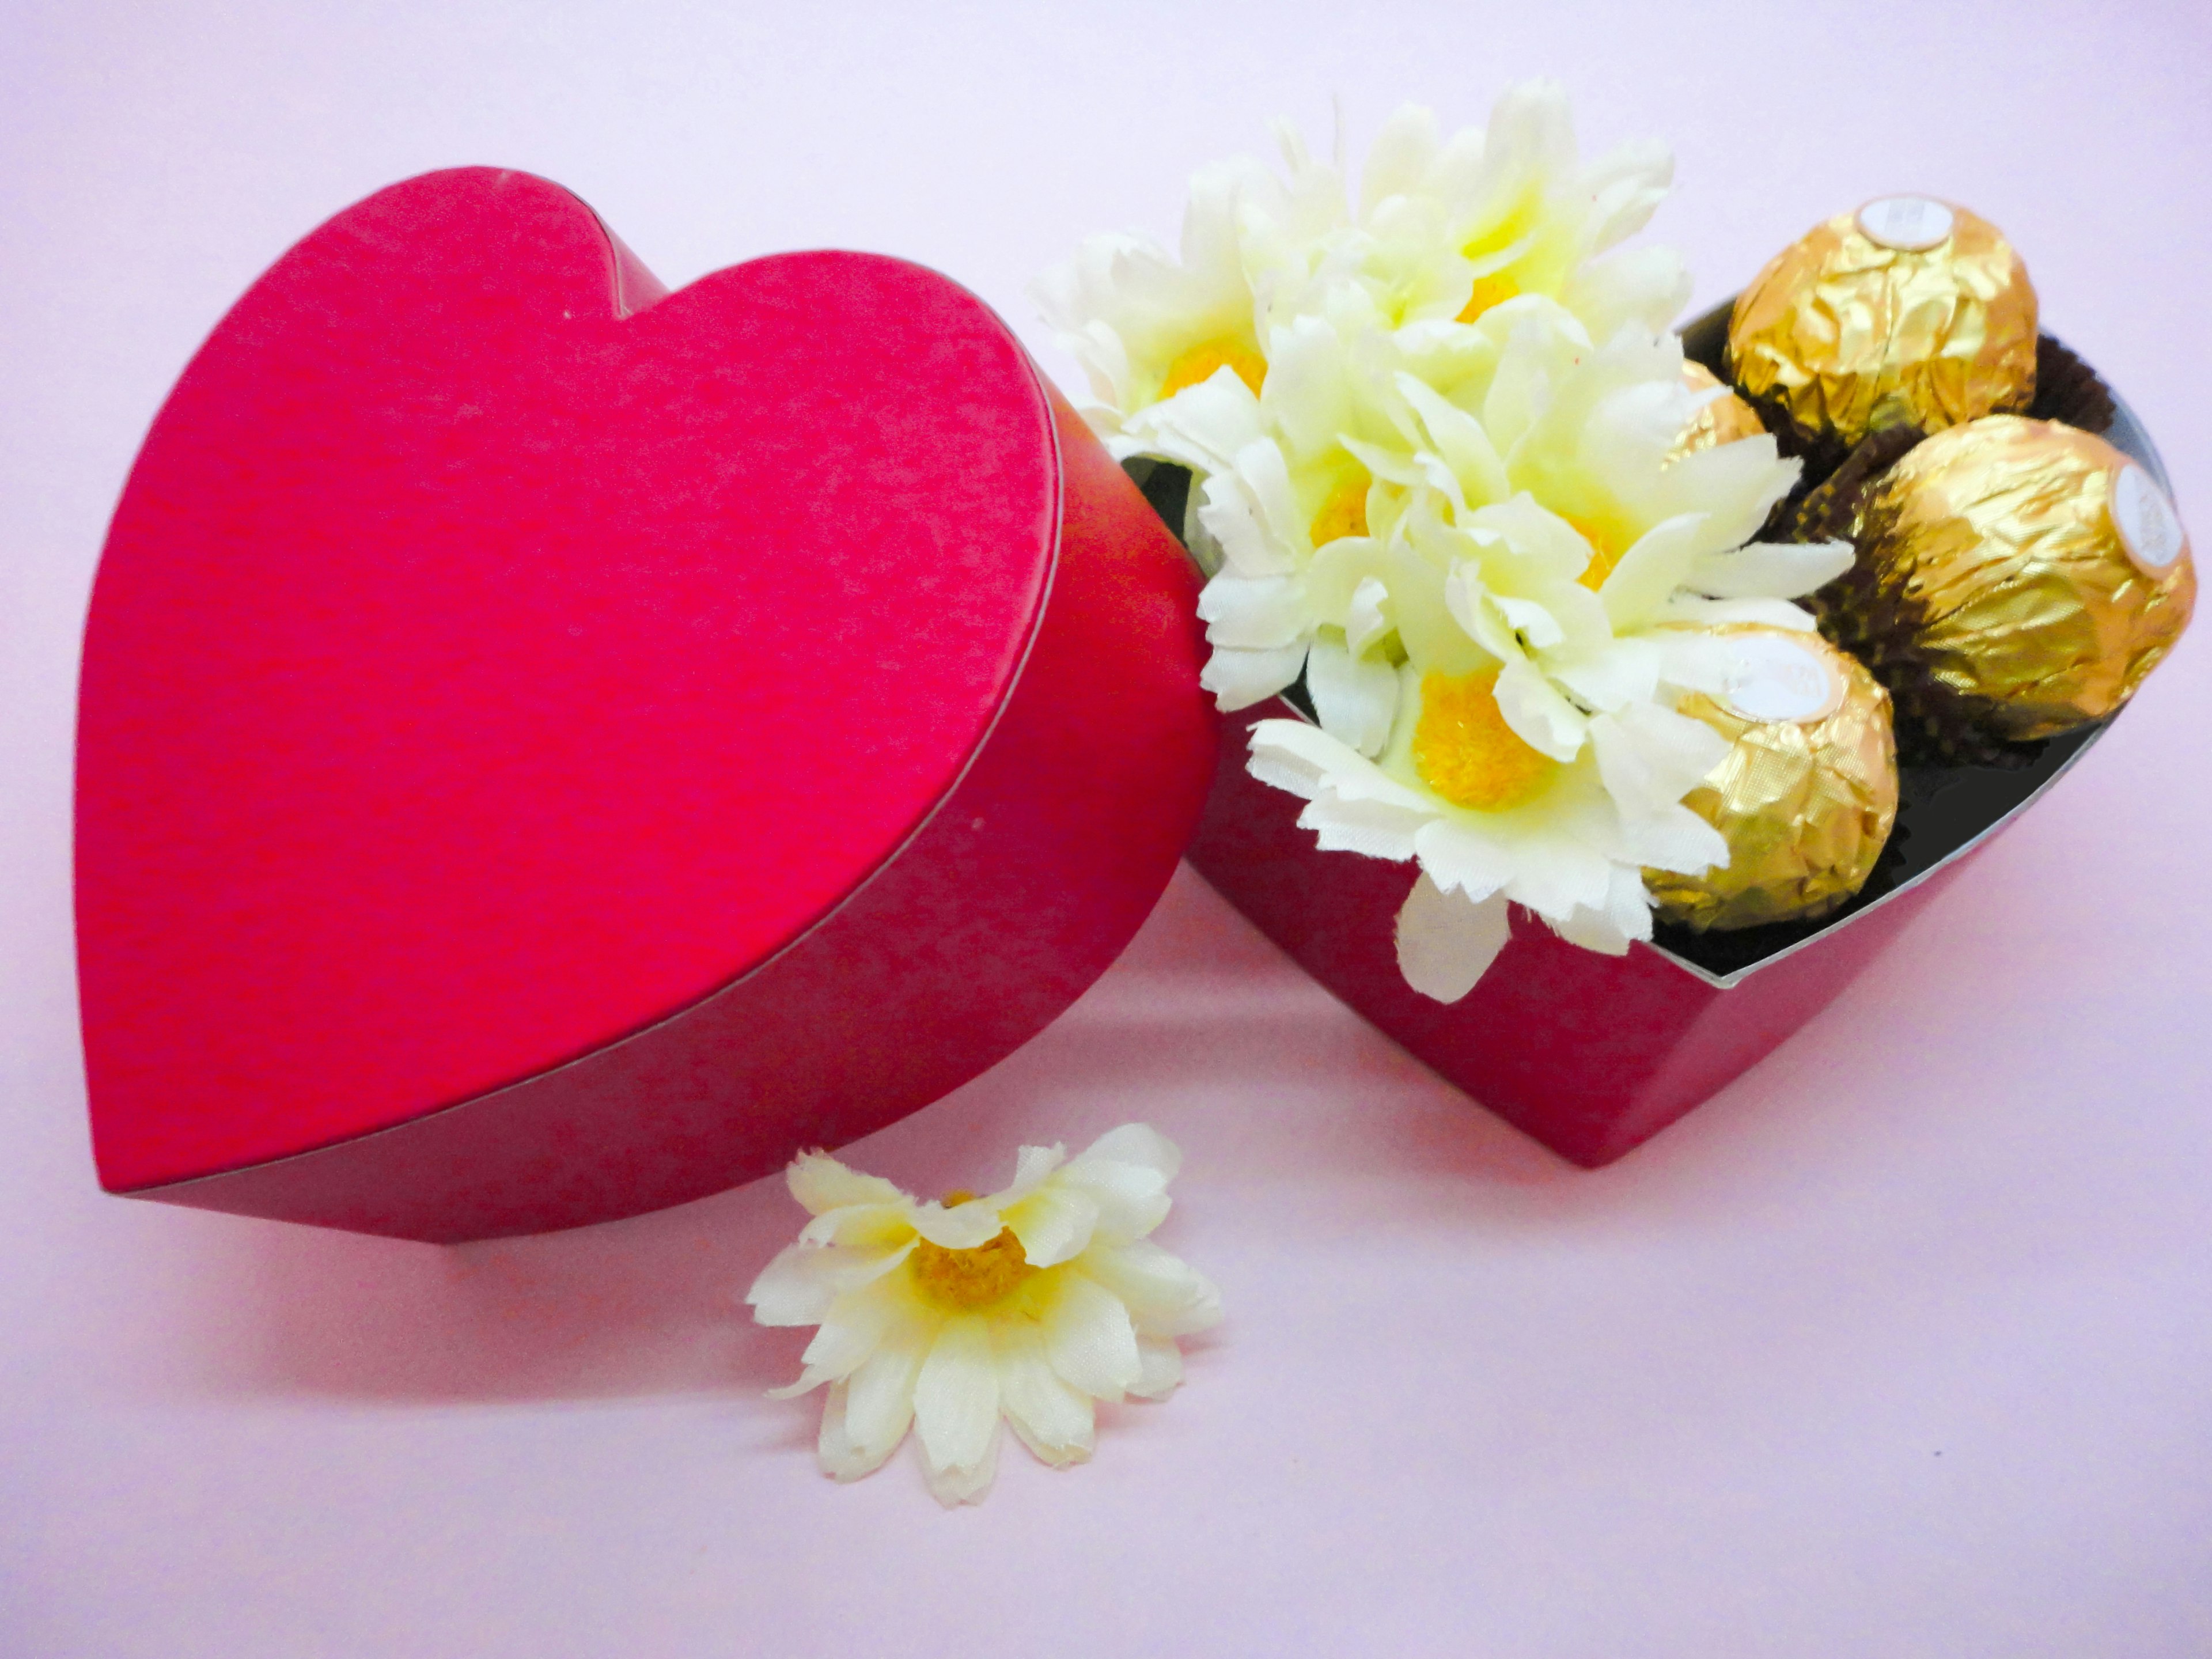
(1445, 471)
(1445, 231)
(1027, 1305)
(1301, 490)
(1146, 326)
(1547, 587)
(1491, 821)
(1454, 226)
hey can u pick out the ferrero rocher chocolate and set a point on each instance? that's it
(1719, 420)
(1909, 312)
(2023, 578)
(1807, 794)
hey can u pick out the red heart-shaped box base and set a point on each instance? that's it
(1591, 1055)
(1594, 1054)
(550, 748)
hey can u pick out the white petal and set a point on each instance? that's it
(1223, 508)
(1054, 1421)
(1054, 1224)
(1306, 760)
(1650, 758)
(1400, 153)
(1676, 839)
(879, 1398)
(1651, 569)
(1644, 286)
(821, 1183)
(1777, 570)
(1139, 1144)
(1375, 830)
(1366, 621)
(1714, 613)
(955, 1394)
(800, 1286)
(954, 1484)
(1165, 1296)
(1539, 629)
(1356, 697)
(850, 1335)
(1254, 613)
(1693, 658)
(1088, 1339)
(867, 1227)
(1161, 1363)
(962, 1227)
(1460, 858)
(1130, 1200)
(1307, 391)
(1538, 714)
(840, 1459)
(1239, 678)
(1625, 671)
(1204, 546)
(1461, 443)
(1446, 942)
(1033, 1166)
(1202, 427)
(1628, 185)
(1554, 876)
(1593, 930)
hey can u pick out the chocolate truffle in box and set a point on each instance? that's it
(1909, 312)
(2018, 577)
(1807, 793)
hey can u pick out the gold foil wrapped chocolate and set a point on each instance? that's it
(2024, 577)
(1721, 419)
(1807, 794)
(1909, 312)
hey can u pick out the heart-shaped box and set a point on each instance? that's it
(549, 748)
(1594, 1054)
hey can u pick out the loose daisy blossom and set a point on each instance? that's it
(1545, 599)
(1029, 1305)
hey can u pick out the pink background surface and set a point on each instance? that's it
(1899, 1346)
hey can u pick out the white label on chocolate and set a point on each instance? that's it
(2149, 527)
(1910, 224)
(1773, 678)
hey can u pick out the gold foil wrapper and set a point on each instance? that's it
(1806, 804)
(1722, 419)
(1842, 333)
(2027, 575)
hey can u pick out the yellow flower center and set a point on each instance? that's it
(1344, 514)
(962, 1280)
(1603, 556)
(1466, 753)
(1200, 363)
(1494, 289)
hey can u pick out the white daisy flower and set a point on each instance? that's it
(1028, 1305)
(1492, 820)
(1453, 227)
(1446, 231)
(1301, 489)
(1145, 327)
(1543, 588)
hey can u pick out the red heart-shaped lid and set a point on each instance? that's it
(492, 654)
